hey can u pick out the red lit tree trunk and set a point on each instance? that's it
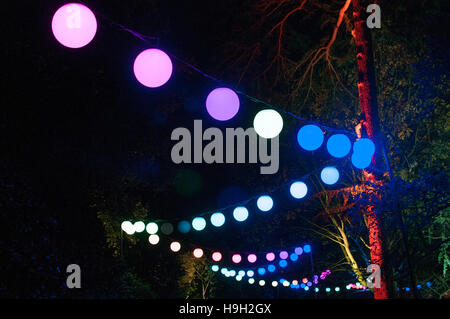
(369, 111)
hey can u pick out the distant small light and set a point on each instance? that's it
(286, 283)
(429, 284)
(153, 239)
(175, 246)
(316, 289)
(282, 280)
(250, 273)
(306, 288)
(184, 227)
(302, 285)
(240, 213)
(215, 268)
(407, 289)
(294, 282)
(232, 273)
(419, 286)
(305, 280)
(251, 258)
(241, 273)
(251, 281)
(284, 255)
(224, 271)
(327, 289)
(238, 278)
(236, 258)
(198, 223)
(217, 219)
(261, 271)
(167, 228)
(262, 282)
(283, 263)
(264, 203)
(307, 248)
(217, 256)
(152, 228)
(337, 289)
(270, 256)
(271, 268)
(274, 283)
(139, 227)
(309, 284)
(128, 227)
(298, 190)
(298, 250)
(293, 257)
(198, 252)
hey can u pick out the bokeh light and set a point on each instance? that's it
(236, 258)
(250, 273)
(298, 250)
(284, 255)
(264, 203)
(298, 190)
(175, 246)
(139, 226)
(270, 256)
(215, 268)
(184, 227)
(240, 213)
(329, 175)
(217, 256)
(153, 239)
(293, 257)
(282, 263)
(271, 268)
(339, 145)
(167, 228)
(252, 258)
(152, 228)
(261, 271)
(127, 227)
(307, 248)
(217, 219)
(198, 223)
(198, 252)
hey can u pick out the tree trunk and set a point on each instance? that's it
(369, 112)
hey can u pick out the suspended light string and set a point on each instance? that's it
(155, 41)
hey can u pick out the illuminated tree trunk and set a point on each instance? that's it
(369, 112)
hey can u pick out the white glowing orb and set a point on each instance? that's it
(268, 123)
(153, 239)
(175, 246)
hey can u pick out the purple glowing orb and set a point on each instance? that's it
(152, 68)
(222, 104)
(74, 25)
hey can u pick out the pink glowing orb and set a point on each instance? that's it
(270, 256)
(222, 104)
(152, 68)
(74, 25)
(198, 252)
(251, 258)
(236, 258)
(216, 256)
(284, 255)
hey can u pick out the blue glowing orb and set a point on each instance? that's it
(364, 146)
(298, 190)
(261, 271)
(339, 145)
(329, 175)
(293, 257)
(307, 248)
(271, 268)
(282, 263)
(298, 250)
(240, 213)
(264, 203)
(217, 219)
(361, 161)
(310, 137)
(198, 223)
(184, 227)
(215, 268)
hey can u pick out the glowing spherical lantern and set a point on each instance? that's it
(298, 190)
(152, 68)
(152, 228)
(74, 25)
(310, 137)
(128, 227)
(222, 104)
(282, 263)
(215, 268)
(264, 203)
(232, 273)
(139, 227)
(307, 248)
(361, 161)
(262, 282)
(271, 268)
(295, 282)
(250, 273)
(305, 280)
(274, 283)
(217, 219)
(198, 223)
(238, 278)
(240, 213)
(327, 289)
(175, 246)
(293, 257)
(364, 146)
(251, 281)
(329, 175)
(167, 228)
(339, 145)
(241, 273)
(153, 239)
(284, 255)
(223, 271)
(251, 258)
(270, 256)
(306, 288)
(286, 283)
(198, 252)
(184, 227)
(216, 256)
(236, 258)
(298, 250)
(268, 123)
(261, 271)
